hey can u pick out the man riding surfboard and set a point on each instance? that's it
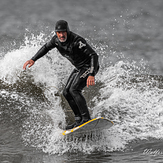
(85, 60)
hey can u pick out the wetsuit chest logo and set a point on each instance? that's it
(81, 44)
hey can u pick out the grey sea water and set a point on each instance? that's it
(128, 36)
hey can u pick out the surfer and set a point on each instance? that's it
(85, 60)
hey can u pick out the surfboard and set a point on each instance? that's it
(99, 123)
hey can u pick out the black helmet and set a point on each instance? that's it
(62, 25)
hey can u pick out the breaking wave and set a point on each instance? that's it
(125, 92)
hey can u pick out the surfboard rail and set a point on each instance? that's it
(93, 124)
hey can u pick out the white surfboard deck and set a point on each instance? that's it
(99, 123)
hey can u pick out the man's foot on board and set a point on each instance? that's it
(82, 122)
(68, 127)
(77, 121)
(75, 124)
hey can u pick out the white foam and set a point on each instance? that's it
(136, 107)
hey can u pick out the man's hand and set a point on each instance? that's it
(30, 63)
(90, 81)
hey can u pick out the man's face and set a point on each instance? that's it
(62, 36)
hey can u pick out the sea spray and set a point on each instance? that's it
(133, 99)
(127, 93)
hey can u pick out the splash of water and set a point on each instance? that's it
(127, 94)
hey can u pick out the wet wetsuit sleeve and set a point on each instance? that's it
(44, 49)
(94, 64)
(85, 48)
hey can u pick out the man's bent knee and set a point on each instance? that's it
(74, 91)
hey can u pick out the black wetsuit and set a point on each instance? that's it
(85, 60)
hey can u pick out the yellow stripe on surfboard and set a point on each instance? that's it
(72, 130)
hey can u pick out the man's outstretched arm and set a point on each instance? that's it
(38, 55)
